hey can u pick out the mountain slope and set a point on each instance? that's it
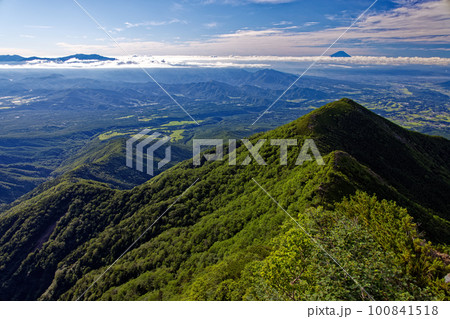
(223, 238)
(415, 164)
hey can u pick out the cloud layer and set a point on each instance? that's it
(228, 61)
(420, 25)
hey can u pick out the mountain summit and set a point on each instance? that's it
(218, 236)
(340, 54)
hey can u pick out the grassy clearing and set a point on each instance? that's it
(177, 135)
(111, 134)
(125, 117)
(178, 123)
(148, 119)
(406, 91)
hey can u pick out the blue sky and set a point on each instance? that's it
(230, 27)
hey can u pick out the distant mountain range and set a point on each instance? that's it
(81, 57)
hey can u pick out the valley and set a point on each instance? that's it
(48, 117)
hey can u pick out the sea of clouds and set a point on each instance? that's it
(226, 62)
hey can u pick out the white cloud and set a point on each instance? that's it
(308, 24)
(210, 25)
(283, 23)
(257, 61)
(420, 22)
(251, 33)
(230, 61)
(152, 23)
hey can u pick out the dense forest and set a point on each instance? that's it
(379, 206)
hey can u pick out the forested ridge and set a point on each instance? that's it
(379, 205)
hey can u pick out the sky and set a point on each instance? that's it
(296, 28)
